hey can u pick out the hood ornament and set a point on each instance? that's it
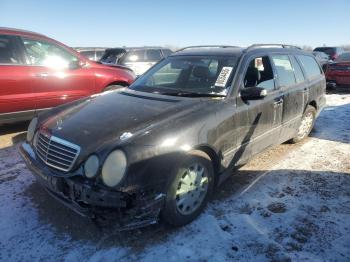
(125, 135)
(59, 124)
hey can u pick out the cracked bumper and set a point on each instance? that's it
(93, 202)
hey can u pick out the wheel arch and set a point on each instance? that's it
(119, 83)
(214, 157)
(313, 104)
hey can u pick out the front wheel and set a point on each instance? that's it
(189, 192)
(306, 124)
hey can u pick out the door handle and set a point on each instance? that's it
(42, 75)
(278, 102)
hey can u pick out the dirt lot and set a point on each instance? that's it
(291, 202)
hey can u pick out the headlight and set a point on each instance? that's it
(91, 166)
(114, 168)
(31, 129)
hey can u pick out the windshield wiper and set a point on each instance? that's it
(191, 94)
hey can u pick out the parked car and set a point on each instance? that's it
(177, 132)
(91, 53)
(139, 59)
(322, 58)
(338, 73)
(332, 52)
(37, 73)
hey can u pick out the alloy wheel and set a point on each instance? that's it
(306, 125)
(192, 189)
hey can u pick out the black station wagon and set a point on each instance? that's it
(159, 148)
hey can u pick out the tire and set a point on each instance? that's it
(306, 124)
(113, 87)
(182, 208)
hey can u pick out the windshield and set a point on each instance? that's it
(189, 75)
(344, 57)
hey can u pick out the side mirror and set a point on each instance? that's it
(74, 65)
(252, 93)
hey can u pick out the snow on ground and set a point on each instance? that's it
(295, 208)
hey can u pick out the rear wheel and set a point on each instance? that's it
(306, 124)
(189, 192)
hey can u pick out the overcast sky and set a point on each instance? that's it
(183, 22)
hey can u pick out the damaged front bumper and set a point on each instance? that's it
(128, 211)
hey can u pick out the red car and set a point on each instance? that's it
(38, 73)
(338, 73)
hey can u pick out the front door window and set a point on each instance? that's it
(259, 73)
(46, 54)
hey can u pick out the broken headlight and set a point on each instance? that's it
(114, 168)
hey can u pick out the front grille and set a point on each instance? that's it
(56, 152)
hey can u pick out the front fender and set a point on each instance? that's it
(150, 168)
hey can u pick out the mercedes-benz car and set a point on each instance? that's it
(159, 148)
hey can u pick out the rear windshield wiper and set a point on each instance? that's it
(191, 94)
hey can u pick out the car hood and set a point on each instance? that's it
(112, 117)
(103, 65)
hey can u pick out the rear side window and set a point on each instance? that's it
(310, 66)
(297, 70)
(285, 72)
(154, 55)
(8, 52)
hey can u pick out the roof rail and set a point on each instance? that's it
(206, 46)
(271, 45)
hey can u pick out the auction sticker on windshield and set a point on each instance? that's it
(223, 76)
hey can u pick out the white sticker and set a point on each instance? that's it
(223, 76)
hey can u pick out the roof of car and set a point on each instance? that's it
(82, 49)
(233, 50)
(210, 51)
(16, 31)
(143, 47)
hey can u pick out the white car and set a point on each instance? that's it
(139, 59)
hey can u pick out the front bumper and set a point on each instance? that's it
(89, 200)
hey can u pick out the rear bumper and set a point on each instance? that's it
(132, 210)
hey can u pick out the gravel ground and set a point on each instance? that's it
(290, 203)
